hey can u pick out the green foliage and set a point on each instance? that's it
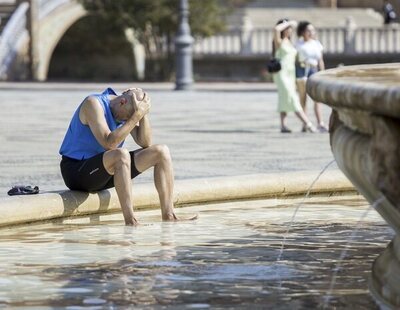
(160, 17)
(83, 55)
(155, 22)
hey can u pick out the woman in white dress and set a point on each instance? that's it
(310, 60)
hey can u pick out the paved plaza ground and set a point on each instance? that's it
(213, 130)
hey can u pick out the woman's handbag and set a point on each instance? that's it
(274, 65)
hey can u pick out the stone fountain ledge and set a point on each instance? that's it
(365, 141)
(365, 129)
(63, 204)
(365, 88)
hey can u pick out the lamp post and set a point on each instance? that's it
(33, 39)
(183, 49)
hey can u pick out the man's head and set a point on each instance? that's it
(125, 105)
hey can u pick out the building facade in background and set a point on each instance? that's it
(69, 47)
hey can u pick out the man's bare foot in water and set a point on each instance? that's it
(172, 217)
(132, 222)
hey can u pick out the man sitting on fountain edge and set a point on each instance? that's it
(93, 158)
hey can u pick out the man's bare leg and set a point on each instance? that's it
(118, 163)
(158, 156)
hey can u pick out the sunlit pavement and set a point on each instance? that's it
(216, 130)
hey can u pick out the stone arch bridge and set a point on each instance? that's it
(51, 19)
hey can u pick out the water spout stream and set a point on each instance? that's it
(343, 254)
(297, 209)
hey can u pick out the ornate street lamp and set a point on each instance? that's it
(33, 39)
(183, 49)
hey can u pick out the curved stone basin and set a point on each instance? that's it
(365, 141)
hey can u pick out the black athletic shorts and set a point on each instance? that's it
(90, 175)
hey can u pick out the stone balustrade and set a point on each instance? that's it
(349, 40)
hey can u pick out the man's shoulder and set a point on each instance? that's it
(92, 101)
(92, 104)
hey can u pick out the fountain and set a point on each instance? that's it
(365, 141)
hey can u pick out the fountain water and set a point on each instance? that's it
(294, 216)
(343, 254)
(298, 207)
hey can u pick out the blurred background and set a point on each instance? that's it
(133, 40)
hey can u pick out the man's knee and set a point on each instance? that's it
(162, 151)
(121, 157)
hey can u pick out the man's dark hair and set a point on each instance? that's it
(301, 28)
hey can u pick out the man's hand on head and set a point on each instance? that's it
(142, 107)
(137, 94)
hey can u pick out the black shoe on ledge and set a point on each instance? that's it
(23, 190)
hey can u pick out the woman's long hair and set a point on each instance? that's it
(273, 43)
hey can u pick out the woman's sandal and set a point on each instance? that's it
(284, 129)
(311, 128)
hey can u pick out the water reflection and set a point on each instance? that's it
(225, 259)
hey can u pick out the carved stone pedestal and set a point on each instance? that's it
(365, 141)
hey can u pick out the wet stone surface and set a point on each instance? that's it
(227, 258)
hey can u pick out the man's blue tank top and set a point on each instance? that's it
(79, 141)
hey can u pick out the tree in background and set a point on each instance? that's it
(82, 56)
(155, 23)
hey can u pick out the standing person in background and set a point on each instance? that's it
(285, 79)
(309, 61)
(389, 13)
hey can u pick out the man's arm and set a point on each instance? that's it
(142, 133)
(92, 114)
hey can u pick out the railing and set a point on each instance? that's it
(377, 40)
(220, 44)
(259, 41)
(347, 40)
(332, 39)
(12, 35)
